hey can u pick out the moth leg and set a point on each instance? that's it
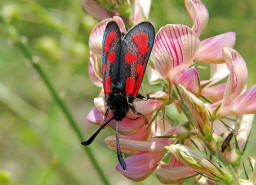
(141, 97)
(135, 112)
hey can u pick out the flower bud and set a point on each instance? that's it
(200, 164)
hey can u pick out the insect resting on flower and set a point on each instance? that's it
(124, 60)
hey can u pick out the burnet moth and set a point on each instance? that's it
(124, 60)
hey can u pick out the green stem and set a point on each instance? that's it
(35, 63)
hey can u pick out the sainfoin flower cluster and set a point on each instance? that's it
(209, 140)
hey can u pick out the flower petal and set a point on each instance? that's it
(175, 45)
(127, 126)
(136, 146)
(161, 127)
(120, 23)
(96, 36)
(141, 165)
(198, 13)
(169, 174)
(210, 50)
(141, 9)
(214, 93)
(95, 116)
(246, 103)
(190, 80)
(93, 69)
(218, 72)
(94, 9)
(244, 130)
(220, 129)
(141, 134)
(238, 75)
(153, 77)
(100, 104)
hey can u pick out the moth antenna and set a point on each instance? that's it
(91, 139)
(118, 150)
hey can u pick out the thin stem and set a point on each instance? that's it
(36, 65)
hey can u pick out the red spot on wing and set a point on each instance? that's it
(141, 39)
(137, 85)
(130, 84)
(104, 67)
(139, 68)
(130, 58)
(112, 57)
(109, 39)
(107, 84)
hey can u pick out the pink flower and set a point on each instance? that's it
(146, 152)
(235, 99)
(176, 46)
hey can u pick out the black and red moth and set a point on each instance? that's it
(124, 60)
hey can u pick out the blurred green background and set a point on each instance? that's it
(37, 146)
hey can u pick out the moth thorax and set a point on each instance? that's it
(117, 102)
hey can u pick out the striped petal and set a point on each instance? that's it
(214, 93)
(141, 165)
(246, 103)
(175, 45)
(96, 36)
(94, 9)
(93, 69)
(198, 13)
(190, 80)
(210, 50)
(238, 75)
(173, 174)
